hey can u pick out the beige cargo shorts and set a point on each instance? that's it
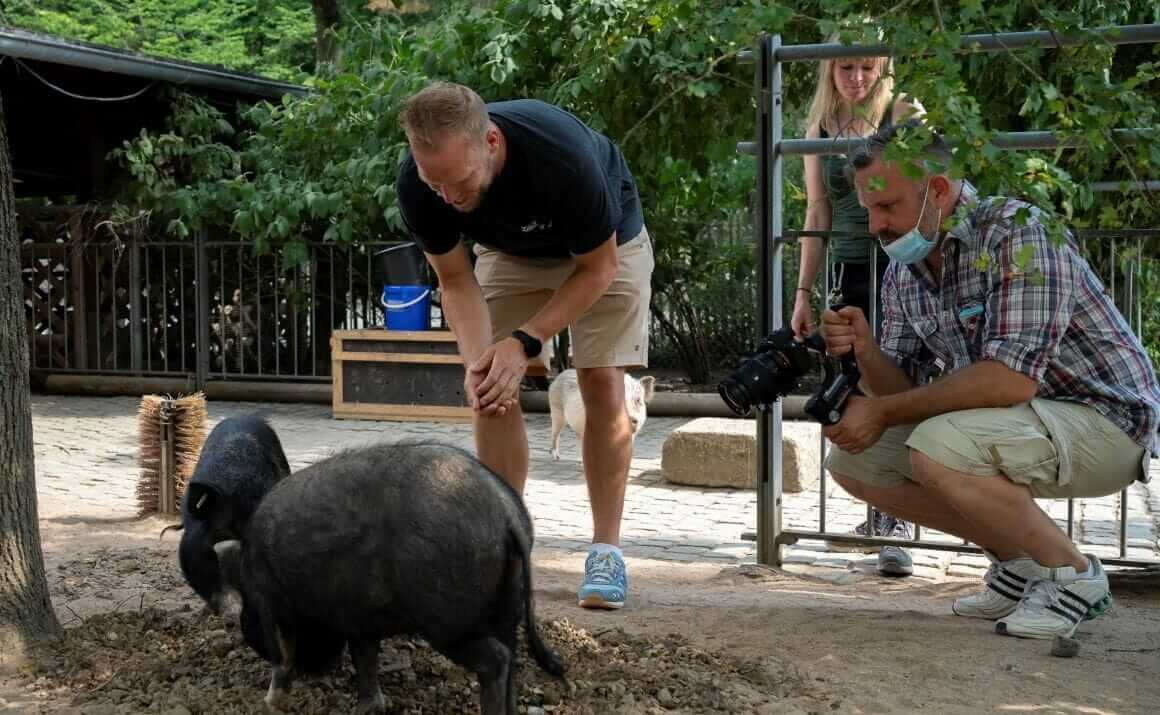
(1057, 449)
(613, 332)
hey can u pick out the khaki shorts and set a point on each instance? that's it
(613, 332)
(1057, 449)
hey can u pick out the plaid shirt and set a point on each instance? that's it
(1052, 322)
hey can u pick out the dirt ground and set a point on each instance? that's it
(695, 638)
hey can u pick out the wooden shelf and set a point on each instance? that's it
(401, 375)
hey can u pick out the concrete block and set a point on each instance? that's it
(719, 452)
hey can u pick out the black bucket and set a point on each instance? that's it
(401, 265)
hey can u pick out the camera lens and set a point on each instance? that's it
(771, 372)
(735, 395)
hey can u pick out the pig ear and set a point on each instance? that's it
(229, 554)
(201, 498)
(648, 382)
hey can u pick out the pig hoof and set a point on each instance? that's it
(276, 700)
(368, 706)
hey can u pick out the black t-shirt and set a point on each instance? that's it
(563, 190)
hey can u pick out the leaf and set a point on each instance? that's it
(178, 228)
(1023, 258)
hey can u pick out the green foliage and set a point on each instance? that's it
(1149, 316)
(661, 77)
(270, 37)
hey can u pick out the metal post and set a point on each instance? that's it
(135, 345)
(202, 278)
(769, 177)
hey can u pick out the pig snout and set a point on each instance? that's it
(241, 460)
(637, 395)
(566, 405)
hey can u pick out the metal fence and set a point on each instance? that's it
(771, 149)
(203, 309)
(1118, 256)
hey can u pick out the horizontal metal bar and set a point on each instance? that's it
(126, 372)
(230, 377)
(246, 244)
(791, 233)
(791, 536)
(1143, 233)
(253, 377)
(745, 57)
(982, 42)
(1118, 233)
(1003, 140)
(1126, 186)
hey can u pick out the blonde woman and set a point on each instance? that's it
(854, 96)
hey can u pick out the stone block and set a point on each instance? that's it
(720, 452)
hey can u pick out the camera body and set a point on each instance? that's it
(776, 367)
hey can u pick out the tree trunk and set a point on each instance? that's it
(26, 615)
(327, 17)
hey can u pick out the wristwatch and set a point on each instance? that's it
(532, 346)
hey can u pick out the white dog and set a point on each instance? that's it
(566, 404)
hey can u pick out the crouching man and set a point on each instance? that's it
(1004, 373)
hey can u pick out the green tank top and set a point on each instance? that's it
(846, 214)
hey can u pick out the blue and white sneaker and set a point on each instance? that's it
(605, 580)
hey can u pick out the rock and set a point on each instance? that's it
(177, 710)
(1064, 647)
(533, 710)
(719, 452)
(664, 697)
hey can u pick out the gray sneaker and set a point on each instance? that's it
(881, 528)
(894, 560)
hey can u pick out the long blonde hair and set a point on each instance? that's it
(827, 101)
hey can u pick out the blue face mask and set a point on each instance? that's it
(912, 246)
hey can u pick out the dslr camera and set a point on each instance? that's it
(776, 367)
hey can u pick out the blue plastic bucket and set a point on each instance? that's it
(407, 307)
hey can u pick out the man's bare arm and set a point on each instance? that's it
(593, 274)
(463, 305)
(987, 383)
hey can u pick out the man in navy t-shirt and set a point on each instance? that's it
(559, 241)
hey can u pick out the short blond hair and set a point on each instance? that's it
(440, 110)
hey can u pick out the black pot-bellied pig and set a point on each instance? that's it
(239, 462)
(392, 539)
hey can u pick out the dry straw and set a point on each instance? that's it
(188, 416)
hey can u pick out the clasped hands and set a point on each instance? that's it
(492, 382)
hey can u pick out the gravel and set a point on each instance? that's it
(188, 662)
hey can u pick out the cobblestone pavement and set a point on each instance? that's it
(86, 466)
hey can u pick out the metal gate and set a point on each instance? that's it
(771, 149)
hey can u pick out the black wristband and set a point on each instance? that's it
(532, 346)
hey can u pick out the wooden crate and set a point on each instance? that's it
(399, 375)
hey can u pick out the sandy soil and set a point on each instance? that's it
(695, 638)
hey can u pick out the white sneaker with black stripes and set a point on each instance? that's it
(1006, 584)
(1056, 605)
